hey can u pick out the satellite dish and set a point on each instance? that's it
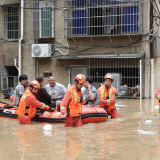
(37, 50)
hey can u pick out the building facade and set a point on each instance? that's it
(93, 37)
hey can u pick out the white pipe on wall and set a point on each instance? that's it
(21, 39)
(140, 79)
(152, 78)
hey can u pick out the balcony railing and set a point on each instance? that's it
(85, 18)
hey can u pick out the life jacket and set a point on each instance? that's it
(29, 111)
(75, 106)
(103, 95)
(12, 100)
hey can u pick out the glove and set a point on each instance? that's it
(63, 113)
(52, 109)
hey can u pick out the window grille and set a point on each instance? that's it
(43, 17)
(102, 17)
(11, 22)
(126, 74)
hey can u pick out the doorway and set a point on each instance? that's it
(74, 70)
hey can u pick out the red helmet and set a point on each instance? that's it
(108, 76)
(80, 78)
(35, 84)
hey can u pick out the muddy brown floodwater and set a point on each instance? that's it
(133, 136)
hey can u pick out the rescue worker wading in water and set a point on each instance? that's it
(107, 96)
(29, 103)
(71, 105)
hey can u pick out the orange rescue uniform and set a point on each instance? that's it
(27, 107)
(158, 95)
(72, 104)
(110, 102)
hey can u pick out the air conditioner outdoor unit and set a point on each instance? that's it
(41, 50)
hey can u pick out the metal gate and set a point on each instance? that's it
(125, 71)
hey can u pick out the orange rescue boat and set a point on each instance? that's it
(89, 114)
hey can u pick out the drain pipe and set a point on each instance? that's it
(152, 79)
(21, 39)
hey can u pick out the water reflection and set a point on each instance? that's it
(116, 139)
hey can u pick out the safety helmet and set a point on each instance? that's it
(35, 84)
(108, 76)
(80, 78)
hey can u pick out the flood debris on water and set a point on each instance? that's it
(47, 130)
(156, 107)
(148, 121)
(47, 127)
(147, 132)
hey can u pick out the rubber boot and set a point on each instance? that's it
(69, 122)
(24, 120)
(78, 121)
(114, 113)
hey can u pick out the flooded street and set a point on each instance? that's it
(134, 136)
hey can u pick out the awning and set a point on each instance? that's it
(98, 56)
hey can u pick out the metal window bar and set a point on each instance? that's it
(11, 22)
(102, 17)
(125, 71)
(43, 19)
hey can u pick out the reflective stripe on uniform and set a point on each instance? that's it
(43, 106)
(110, 93)
(102, 93)
(24, 96)
(74, 92)
(108, 102)
(64, 108)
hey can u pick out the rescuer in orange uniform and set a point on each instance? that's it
(158, 95)
(71, 105)
(29, 103)
(107, 96)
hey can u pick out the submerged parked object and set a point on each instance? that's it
(8, 93)
(148, 121)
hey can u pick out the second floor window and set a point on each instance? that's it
(102, 17)
(11, 22)
(43, 15)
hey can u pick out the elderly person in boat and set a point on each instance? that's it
(56, 90)
(91, 95)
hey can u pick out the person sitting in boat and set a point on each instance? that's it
(12, 96)
(19, 90)
(108, 96)
(91, 95)
(43, 95)
(56, 90)
(72, 102)
(29, 103)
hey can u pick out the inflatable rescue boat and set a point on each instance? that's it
(89, 114)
